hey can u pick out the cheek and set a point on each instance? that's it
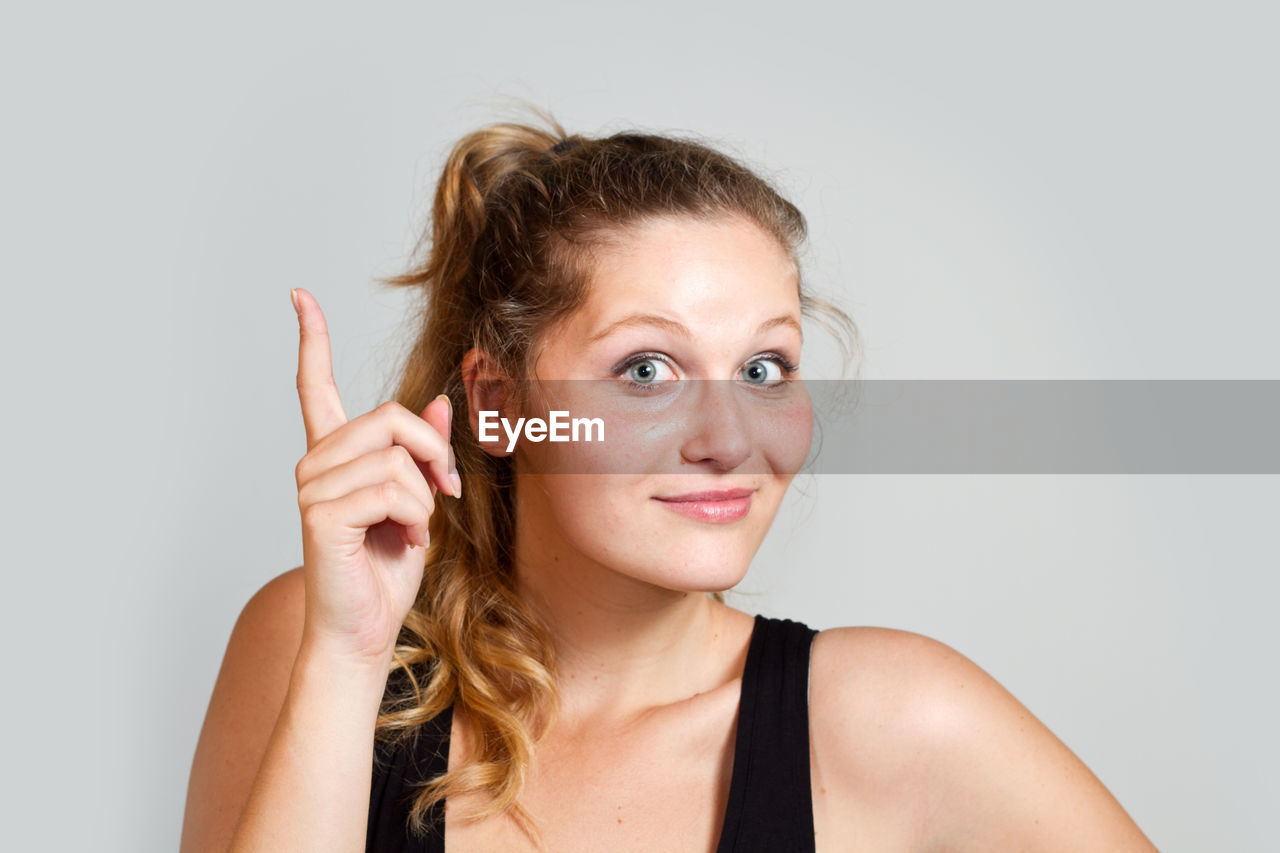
(601, 515)
(577, 498)
(785, 436)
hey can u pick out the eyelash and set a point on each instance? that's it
(788, 367)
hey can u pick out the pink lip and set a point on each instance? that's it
(715, 507)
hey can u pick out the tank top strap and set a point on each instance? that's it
(770, 802)
(770, 805)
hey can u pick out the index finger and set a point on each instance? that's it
(322, 410)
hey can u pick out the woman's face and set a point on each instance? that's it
(681, 351)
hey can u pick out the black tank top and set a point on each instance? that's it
(770, 804)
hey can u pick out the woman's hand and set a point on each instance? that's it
(366, 489)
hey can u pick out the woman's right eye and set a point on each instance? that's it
(648, 370)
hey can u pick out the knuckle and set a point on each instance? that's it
(302, 470)
(390, 492)
(400, 459)
(305, 383)
(390, 408)
(313, 516)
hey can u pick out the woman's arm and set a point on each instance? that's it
(286, 763)
(312, 792)
(908, 727)
(285, 757)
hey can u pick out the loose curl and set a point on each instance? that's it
(518, 213)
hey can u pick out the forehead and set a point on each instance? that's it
(692, 269)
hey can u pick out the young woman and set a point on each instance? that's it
(557, 669)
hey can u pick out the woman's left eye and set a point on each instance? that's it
(764, 371)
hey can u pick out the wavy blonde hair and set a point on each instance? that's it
(517, 213)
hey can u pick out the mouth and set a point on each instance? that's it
(713, 507)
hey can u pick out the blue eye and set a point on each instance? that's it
(643, 371)
(757, 370)
(646, 371)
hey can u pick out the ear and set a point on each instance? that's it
(487, 388)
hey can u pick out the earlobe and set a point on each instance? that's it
(487, 389)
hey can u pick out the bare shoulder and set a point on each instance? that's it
(277, 608)
(247, 696)
(915, 742)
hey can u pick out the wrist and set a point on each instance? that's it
(318, 661)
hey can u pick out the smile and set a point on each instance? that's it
(713, 507)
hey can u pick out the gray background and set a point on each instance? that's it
(994, 190)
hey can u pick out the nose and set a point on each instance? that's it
(719, 434)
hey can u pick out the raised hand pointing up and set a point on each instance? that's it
(366, 489)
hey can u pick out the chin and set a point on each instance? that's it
(701, 582)
(712, 580)
(698, 567)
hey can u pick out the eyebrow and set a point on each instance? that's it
(677, 328)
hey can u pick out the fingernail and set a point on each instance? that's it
(454, 479)
(449, 403)
(293, 297)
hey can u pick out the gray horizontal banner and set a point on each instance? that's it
(905, 427)
(1047, 426)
